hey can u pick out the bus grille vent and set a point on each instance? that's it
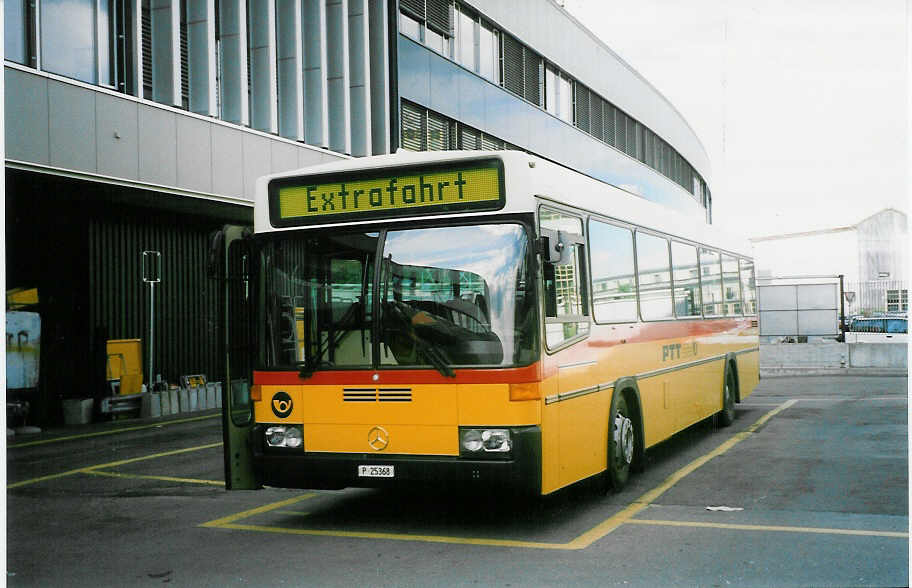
(377, 394)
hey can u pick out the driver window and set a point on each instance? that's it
(566, 305)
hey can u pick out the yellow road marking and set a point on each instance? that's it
(259, 510)
(162, 478)
(90, 469)
(583, 541)
(400, 537)
(625, 515)
(112, 431)
(777, 528)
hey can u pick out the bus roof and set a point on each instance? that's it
(528, 180)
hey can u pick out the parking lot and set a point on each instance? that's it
(809, 487)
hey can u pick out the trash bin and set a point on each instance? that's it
(77, 411)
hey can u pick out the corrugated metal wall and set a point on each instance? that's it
(185, 299)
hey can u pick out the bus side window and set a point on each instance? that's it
(566, 299)
(613, 279)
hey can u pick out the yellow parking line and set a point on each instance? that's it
(775, 528)
(111, 432)
(90, 469)
(625, 515)
(583, 541)
(255, 511)
(162, 478)
(400, 537)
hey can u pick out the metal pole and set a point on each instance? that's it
(151, 269)
(842, 323)
(151, 334)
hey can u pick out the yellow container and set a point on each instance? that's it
(125, 364)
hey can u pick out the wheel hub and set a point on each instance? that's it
(623, 437)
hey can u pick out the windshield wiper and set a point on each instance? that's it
(429, 350)
(435, 357)
(307, 368)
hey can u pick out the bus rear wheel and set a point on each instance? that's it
(621, 445)
(727, 414)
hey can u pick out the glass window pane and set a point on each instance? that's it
(613, 283)
(68, 38)
(436, 41)
(465, 39)
(488, 53)
(566, 100)
(15, 40)
(711, 274)
(748, 287)
(414, 121)
(732, 285)
(563, 283)
(318, 293)
(654, 277)
(410, 27)
(105, 26)
(457, 296)
(438, 133)
(686, 274)
(552, 81)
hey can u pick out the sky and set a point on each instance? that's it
(802, 105)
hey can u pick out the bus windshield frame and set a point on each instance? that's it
(431, 296)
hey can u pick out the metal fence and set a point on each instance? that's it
(876, 297)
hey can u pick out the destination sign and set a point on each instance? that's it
(381, 194)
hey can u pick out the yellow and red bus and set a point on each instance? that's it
(485, 318)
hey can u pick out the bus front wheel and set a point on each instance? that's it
(621, 444)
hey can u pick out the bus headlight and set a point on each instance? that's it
(474, 441)
(284, 436)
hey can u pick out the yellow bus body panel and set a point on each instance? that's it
(426, 424)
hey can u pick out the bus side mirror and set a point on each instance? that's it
(550, 246)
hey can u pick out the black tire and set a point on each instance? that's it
(622, 445)
(727, 414)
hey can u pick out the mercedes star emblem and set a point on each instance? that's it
(378, 438)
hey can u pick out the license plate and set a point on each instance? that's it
(376, 471)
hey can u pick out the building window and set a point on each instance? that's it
(424, 130)
(18, 22)
(897, 300)
(489, 52)
(70, 34)
(429, 22)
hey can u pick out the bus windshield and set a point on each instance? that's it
(446, 297)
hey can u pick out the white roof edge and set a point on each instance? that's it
(627, 65)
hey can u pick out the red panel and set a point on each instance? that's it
(531, 373)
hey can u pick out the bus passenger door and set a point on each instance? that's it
(230, 262)
(581, 414)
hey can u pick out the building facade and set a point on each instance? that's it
(872, 255)
(141, 125)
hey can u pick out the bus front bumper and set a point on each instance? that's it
(287, 468)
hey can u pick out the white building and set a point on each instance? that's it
(872, 255)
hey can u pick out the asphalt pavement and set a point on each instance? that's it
(809, 487)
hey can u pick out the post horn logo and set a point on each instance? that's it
(281, 404)
(378, 438)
